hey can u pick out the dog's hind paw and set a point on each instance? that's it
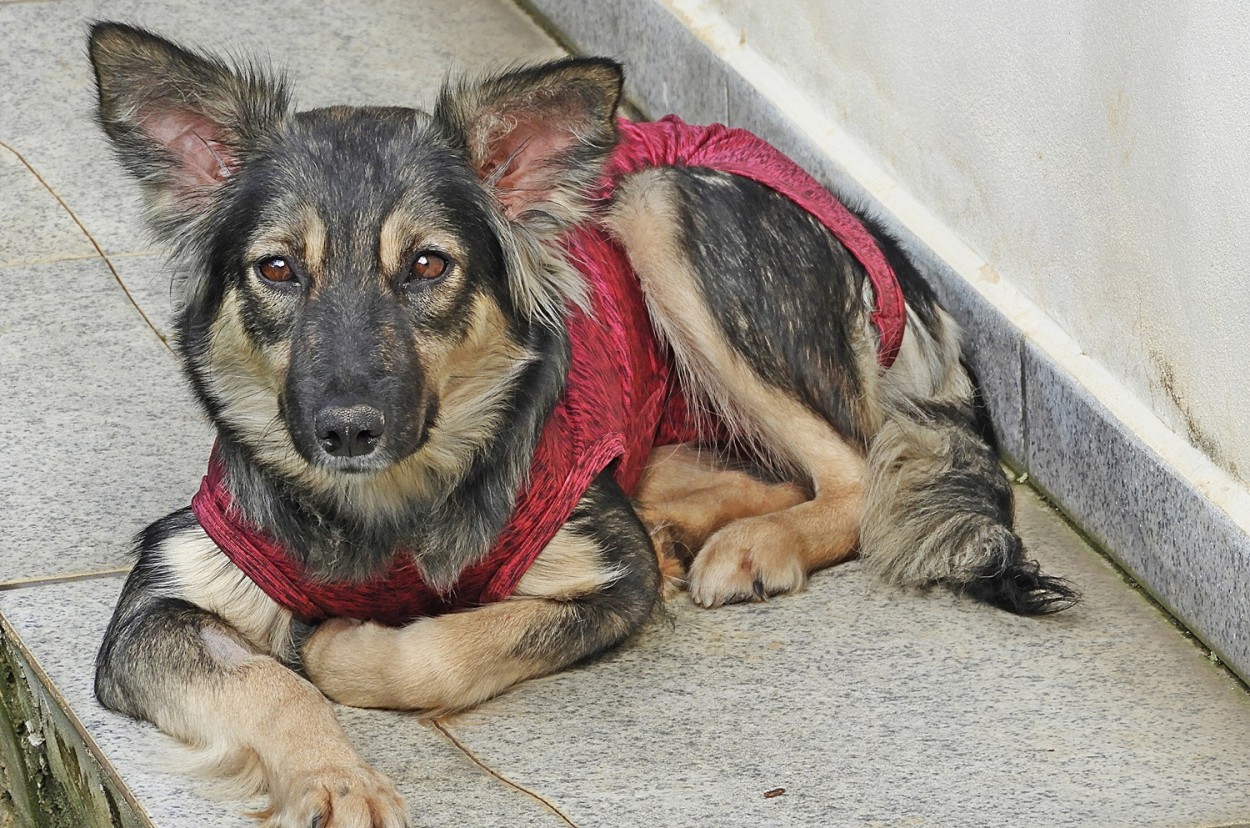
(748, 560)
(340, 798)
(673, 557)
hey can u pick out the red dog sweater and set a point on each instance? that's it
(620, 400)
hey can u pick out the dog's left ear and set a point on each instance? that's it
(538, 136)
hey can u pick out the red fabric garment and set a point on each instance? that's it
(620, 400)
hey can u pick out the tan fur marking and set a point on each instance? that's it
(394, 240)
(202, 574)
(684, 486)
(274, 240)
(403, 233)
(313, 231)
(247, 381)
(777, 550)
(569, 566)
(302, 233)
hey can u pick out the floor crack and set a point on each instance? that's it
(98, 249)
(441, 728)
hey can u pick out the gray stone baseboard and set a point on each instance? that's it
(1177, 524)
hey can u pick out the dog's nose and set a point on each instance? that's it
(349, 431)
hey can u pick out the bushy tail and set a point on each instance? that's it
(939, 510)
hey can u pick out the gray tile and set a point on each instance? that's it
(100, 434)
(1190, 554)
(393, 52)
(61, 626)
(443, 786)
(876, 707)
(47, 103)
(33, 226)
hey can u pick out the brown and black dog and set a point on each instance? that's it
(382, 311)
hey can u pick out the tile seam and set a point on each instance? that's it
(540, 21)
(548, 804)
(71, 257)
(98, 248)
(75, 257)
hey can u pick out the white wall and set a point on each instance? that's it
(1095, 152)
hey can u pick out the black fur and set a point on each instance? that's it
(1008, 579)
(1017, 585)
(972, 484)
(787, 295)
(153, 637)
(599, 620)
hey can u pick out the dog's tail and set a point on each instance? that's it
(939, 506)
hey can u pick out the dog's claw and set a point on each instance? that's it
(757, 586)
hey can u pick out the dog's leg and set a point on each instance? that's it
(199, 679)
(773, 553)
(594, 584)
(768, 553)
(686, 494)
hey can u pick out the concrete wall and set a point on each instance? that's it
(1095, 152)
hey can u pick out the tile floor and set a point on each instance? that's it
(868, 706)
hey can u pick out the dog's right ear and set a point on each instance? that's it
(182, 123)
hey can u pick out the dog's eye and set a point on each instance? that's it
(428, 266)
(275, 269)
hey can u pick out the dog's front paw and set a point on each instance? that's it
(749, 559)
(352, 797)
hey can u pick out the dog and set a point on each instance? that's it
(489, 382)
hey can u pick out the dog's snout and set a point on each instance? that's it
(349, 431)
